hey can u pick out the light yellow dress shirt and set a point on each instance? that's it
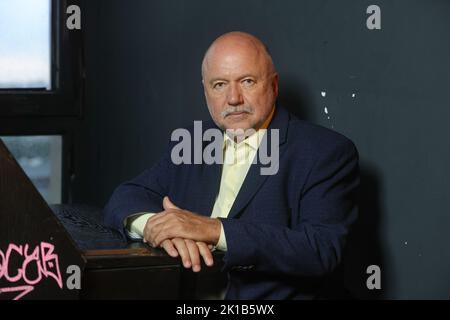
(238, 158)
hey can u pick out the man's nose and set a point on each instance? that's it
(235, 97)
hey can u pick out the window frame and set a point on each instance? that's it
(67, 75)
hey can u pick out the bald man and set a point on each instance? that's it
(283, 234)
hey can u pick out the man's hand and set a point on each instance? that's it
(189, 251)
(174, 222)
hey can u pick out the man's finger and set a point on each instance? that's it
(167, 204)
(180, 245)
(149, 225)
(205, 253)
(194, 254)
(166, 230)
(153, 228)
(158, 218)
(168, 246)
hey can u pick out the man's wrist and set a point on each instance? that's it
(215, 229)
(135, 225)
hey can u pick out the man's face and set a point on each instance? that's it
(240, 87)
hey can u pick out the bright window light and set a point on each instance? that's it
(25, 44)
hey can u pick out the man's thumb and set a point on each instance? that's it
(167, 204)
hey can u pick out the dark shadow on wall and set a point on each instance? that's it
(363, 248)
(294, 96)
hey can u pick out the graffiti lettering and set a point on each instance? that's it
(32, 267)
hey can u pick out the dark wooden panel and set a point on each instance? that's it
(111, 267)
(161, 282)
(35, 249)
(136, 255)
(109, 256)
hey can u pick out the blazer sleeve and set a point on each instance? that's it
(314, 246)
(141, 194)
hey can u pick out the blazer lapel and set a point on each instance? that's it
(209, 187)
(254, 179)
(209, 179)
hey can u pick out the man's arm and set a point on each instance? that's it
(175, 222)
(135, 225)
(145, 193)
(314, 246)
(141, 194)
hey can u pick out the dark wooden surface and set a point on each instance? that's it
(120, 269)
(111, 267)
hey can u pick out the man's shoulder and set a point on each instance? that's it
(304, 134)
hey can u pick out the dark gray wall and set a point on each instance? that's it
(143, 80)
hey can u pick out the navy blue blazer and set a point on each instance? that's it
(285, 232)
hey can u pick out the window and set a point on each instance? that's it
(41, 60)
(41, 159)
(25, 44)
(41, 90)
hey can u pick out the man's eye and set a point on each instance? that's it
(219, 85)
(248, 82)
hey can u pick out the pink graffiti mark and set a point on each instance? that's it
(42, 262)
(23, 289)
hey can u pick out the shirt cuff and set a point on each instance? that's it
(222, 243)
(135, 224)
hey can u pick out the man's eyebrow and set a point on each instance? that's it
(247, 75)
(217, 79)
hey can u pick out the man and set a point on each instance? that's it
(284, 233)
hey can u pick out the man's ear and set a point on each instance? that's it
(275, 84)
(204, 88)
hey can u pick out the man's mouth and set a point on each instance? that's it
(237, 113)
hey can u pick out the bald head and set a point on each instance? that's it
(234, 42)
(240, 81)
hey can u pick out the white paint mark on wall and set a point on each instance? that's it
(325, 109)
